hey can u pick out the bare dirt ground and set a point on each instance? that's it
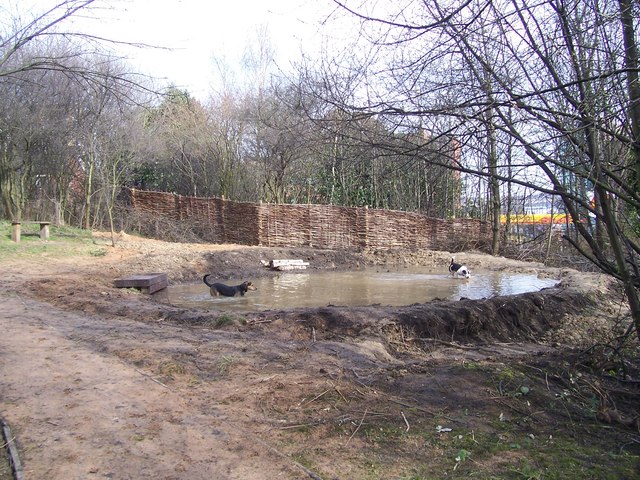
(99, 382)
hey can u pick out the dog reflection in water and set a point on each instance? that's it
(220, 289)
(458, 269)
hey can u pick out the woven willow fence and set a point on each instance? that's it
(320, 226)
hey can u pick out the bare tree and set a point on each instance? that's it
(36, 32)
(539, 73)
(69, 79)
(179, 139)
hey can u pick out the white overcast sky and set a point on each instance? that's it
(196, 31)
(199, 30)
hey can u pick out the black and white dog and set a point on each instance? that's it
(459, 270)
(217, 289)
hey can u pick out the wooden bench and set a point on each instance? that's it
(16, 230)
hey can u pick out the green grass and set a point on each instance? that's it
(5, 466)
(63, 241)
(488, 446)
(224, 363)
(225, 319)
(491, 455)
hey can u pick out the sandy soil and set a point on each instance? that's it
(99, 382)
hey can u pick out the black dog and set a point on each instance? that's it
(459, 270)
(217, 289)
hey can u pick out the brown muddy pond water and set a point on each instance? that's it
(357, 288)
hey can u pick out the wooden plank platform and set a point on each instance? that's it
(146, 282)
(296, 264)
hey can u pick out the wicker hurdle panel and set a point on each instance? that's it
(319, 226)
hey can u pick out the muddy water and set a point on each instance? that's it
(357, 288)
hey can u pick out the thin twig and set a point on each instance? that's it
(257, 322)
(340, 393)
(316, 397)
(517, 410)
(151, 378)
(6, 444)
(313, 475)
(405, 420)
(357, 428)
(300, 425)
(23, 302)
(449, 344)
(422, 409)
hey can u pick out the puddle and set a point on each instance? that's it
(357, 288)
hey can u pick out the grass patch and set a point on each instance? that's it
(512, 383)
(5, 467)
(226, 319)
(473, 365)
(98, 252)
(64, 241)
(513, 447)
(171, 369)
(224, 364)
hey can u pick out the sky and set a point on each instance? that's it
(196, 31)
(193, 32)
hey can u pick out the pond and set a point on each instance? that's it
(401, 287)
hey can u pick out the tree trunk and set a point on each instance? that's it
(618, 250)
(633, 85)
(494, 186)
(87, 196)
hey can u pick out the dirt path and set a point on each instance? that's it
(81, 413)
(98, 382)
